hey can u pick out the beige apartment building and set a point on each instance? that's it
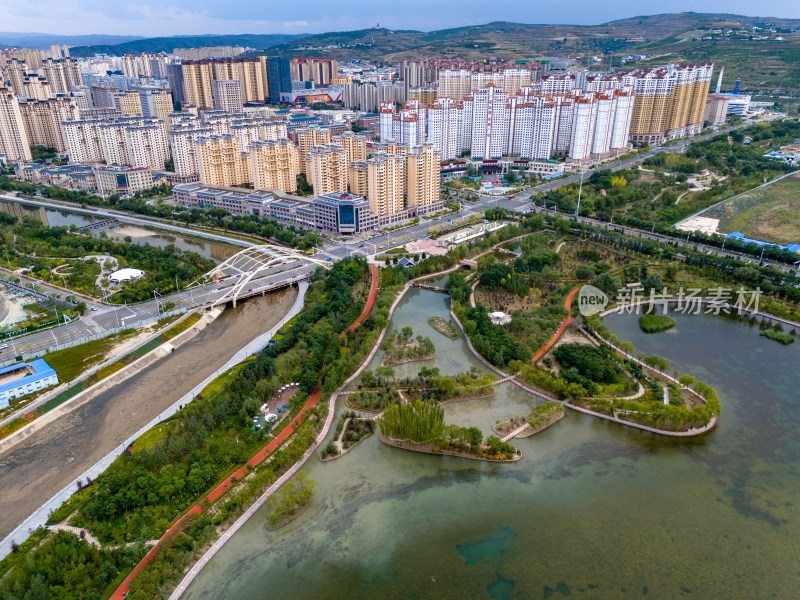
(322, 71)
(62, 73)
(716, 111)
(307, 139)
(128, 103)
(669, 101)
(275, 165)
(386, 184)
(357, 178)
(199, 77)
(426, 95)
(220, 161)
(326, 169)
(355, 145)
(422, 176)
(42, 120)
(13, 139)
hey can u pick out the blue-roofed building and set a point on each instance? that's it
(25, 378)
(738, 235)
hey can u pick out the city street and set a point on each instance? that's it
(106, 318)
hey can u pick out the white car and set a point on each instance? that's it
(94, 308)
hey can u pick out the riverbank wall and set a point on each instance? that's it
(39, 517)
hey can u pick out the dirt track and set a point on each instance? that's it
(50, 459)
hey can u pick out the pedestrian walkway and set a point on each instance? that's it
(514, 433)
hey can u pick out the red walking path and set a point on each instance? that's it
(564, 323)
(373, 290)
(212, 497)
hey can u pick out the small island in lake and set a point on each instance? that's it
(290, 500)
(655, 323)
(419, 427)
(399, 347)
(538, 420)
(443, 327)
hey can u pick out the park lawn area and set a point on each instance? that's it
(69, 363)
(771, 213)
(216, 386)
(149, 438)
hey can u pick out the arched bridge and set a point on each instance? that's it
(256, 261)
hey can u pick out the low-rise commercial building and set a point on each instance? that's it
(25, 378)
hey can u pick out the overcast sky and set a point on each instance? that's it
(181, 17)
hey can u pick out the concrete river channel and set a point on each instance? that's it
(47, 461)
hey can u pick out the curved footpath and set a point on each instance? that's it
(231, 531)
(567, 320)
(40, 516)
(253, 348)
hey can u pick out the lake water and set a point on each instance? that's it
(593, 510)
(65, 218)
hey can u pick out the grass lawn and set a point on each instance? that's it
(71, 362)
(771, 213)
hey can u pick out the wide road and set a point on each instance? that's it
(100, 318)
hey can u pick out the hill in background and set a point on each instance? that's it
(168, 44)
(764, 65)
(43, 40)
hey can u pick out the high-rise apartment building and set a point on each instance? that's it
(326, 169)
(43, 118)
(445, 127)
(407, 126)
(156, 103)
(386, 184)
(322, 71)
(422, 174)
(220, 161)
(275, 165)
(669, 102)
(716, 111)
(15, 72)
(355, 145)
(62, 73)
(489, 110)
(13, 139)
(425, 95)
(357, 178)
(309, 138)
(228, 95)
(136, 142)
(128, 103)
(182, 147)
(198, 78)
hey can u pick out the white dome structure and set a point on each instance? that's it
(124, 275)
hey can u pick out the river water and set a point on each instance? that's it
(51, 217)
(51, 458)
(593, 510)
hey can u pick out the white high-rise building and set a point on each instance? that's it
(445, 125)
(406, 126)
(228, 95)
(181, 143)
(490, 121)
